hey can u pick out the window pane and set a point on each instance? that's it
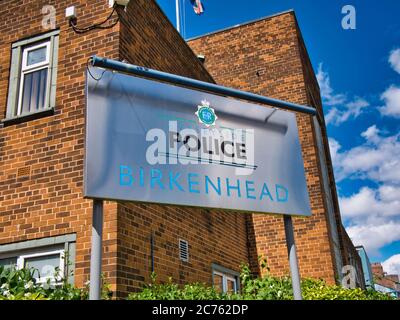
(44, 264)
(218, 283)
(8, 262)
(34, 91)
(231, 285)
(36, 56)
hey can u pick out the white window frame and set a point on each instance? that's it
(22, 256)
(225, 278)
(25, 69)
(233, 279)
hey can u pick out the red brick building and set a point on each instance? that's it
(43, 214)
(384, 279)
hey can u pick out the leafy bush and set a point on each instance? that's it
(262, 288)
(171, 291)
(18, 285)
(319, 290)
(106, 292)
(274, 288)
(22, 285)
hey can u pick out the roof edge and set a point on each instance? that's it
(241, 24)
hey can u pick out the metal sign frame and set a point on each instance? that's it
(97, 219)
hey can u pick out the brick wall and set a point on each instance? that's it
(268, 57)
(41, 161)
(149, 39)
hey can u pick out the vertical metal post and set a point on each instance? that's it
(178, 23)
(152, 251)
(294, 266)
(95, 255)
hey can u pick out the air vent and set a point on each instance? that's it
(183, 250)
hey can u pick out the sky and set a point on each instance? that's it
(359, 75)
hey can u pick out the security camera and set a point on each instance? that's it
(124, 3)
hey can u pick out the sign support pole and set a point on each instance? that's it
(95, 255)
(294, 266)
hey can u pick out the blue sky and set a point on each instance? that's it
(359, 75)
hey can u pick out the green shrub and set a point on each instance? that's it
(319, 290)
(18, 285)
(171, 291)
(264, 288)
(252, 288)
(275, 288)
(22, 285)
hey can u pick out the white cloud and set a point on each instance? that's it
(391, 98)
(372, 134)
(374, 236)
(392, 265)
(334, 147)
(341, 109)
(328, 96)
(372, 214)
(351, 110)
(394, 60)
(389, 193)
(378, 159)
(370, 203)
(374, 217)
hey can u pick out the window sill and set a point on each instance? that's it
(27, 117)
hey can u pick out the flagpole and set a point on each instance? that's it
(183, 20)
(178, 23)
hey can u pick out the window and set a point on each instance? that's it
(8, 262)
(218, 281)
(45, 262)
(45, 265)
(225, 280)
(33, 76)
(46, 256)
(33, 86)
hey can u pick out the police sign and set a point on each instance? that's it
(155, 142)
